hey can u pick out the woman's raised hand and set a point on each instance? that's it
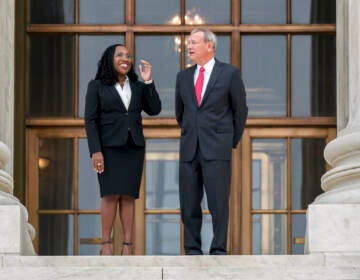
(145, 70)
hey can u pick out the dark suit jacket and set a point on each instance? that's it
(108, 122)
(219, 122)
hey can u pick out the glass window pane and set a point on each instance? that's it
(52, 11)
(162, 235)
(51, 76)
(298, 234)
(56, 173)
(313, 73)
(204, 204)
(269, 173)
(162, 174)
(307, 167)
(56, 235)
(207, 12)
(313, 11)
(269, 234)
(89, 228)
(162, 14)
(263, 11)
(222, 50)
(89, 190)
(264, 73)
(162, 52)
(90, 50)
(101, 12)
(206, 234)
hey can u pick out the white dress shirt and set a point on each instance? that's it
(124, 92)
(208, 69)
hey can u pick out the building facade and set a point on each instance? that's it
(286, 52)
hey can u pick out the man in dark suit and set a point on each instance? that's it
(211, 111)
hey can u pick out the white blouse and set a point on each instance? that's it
(124, 92)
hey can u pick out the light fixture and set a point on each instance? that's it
(175, 20)
(191, 17)
(43, 163)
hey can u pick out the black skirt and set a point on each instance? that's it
(123, 167)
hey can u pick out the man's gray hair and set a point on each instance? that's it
(208, 36)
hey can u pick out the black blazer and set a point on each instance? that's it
(107, 121)
(219, 122)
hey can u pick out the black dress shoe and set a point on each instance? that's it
(194, 253)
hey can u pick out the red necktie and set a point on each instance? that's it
(199, 84)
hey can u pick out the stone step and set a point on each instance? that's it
(314, 267)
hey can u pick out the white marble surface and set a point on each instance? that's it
(317, 267)
(342, 183)
(10, 229)
(333, 228)
(16, 234)
(342, 259)
(352, 75)
(6, 181)
(7, 43)
(168, 261)
(348, 65)
(81, 273)
(218, 273)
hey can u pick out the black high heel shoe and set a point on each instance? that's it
(125, 244)
(103, 243)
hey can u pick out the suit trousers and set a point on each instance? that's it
(213, 176)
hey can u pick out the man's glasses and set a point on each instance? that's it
(127, 56)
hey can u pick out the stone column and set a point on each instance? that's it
(333, 223)
(15, 233)
(7, 25)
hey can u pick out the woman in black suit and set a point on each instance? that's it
(114, 102)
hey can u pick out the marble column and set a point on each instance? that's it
(16, 233)
(333, 223)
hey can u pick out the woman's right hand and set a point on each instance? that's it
(98, 162)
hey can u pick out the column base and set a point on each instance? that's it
(14, 231)
(333, 228)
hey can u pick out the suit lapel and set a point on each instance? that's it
(190, 84)
(213, 77)
(113, 91)
(133, 92)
